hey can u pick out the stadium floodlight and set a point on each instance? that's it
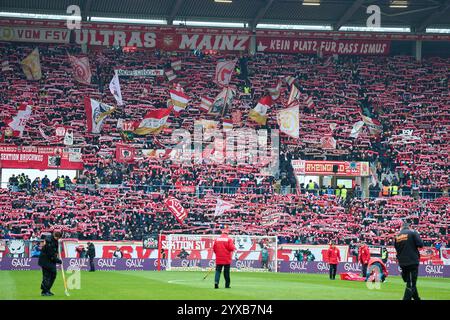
(209, 24)
(37, 16)
(373, 29)
(293, 26)
(126, 20)
(399, 4)
(311, 2)
(223, 1)
(437, 30)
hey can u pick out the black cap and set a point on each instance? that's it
(405, 225)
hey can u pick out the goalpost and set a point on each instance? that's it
(191, 252)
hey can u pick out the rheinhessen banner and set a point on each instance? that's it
(41, 158)
(326, 46)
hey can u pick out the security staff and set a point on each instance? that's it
(394, 190)
(363, 258)
(406, 244)
(47, 261)
(91, 255)
(384, 254)
(334, 257)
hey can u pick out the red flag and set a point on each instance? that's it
(125, 153)
(81, 69)
(174, 205)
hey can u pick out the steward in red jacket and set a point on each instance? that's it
(333, 257)
(364, 257)
(223, 248)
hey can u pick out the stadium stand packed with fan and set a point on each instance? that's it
(129, 134)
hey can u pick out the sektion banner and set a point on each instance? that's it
(31, 157)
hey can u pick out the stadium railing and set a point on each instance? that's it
(203, 190)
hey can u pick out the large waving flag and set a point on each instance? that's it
(259, 113)
(373, 124)
(224, 70)
(96, 112)
(154, 122)
(288, 120)
(179, 99)
(221, 207)
(31, 66)
(81, 69)
(114, 87)
(19, 122)
(174, 205)
(294, 95)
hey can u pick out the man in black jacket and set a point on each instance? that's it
(91, 255)
(48, 260)
(407, 243)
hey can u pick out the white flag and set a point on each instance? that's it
(356, 129)
(224, 70)
(222, 206)
(114, 87)
(68, 137)
(20, 120)
(288, 120)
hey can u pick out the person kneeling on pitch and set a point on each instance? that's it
(223, 248)
(48, 260)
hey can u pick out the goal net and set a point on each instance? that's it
(195, 252)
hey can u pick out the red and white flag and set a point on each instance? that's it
(328, 143)
(222, 206)
(174, 205)
(170, 75)
(96, 112)
(81, 69)
(176, 65)
(125, 153)
(19, 122)
(179, 99)
(309, 101)
(224, 70)
(289, 80)
(154, 122)
(373, 124)
(206, 104)
(294, 95)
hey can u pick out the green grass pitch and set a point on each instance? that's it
(189, 285)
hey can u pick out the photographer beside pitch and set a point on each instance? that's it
(223, 248)
(406, 244)
(48, 260)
